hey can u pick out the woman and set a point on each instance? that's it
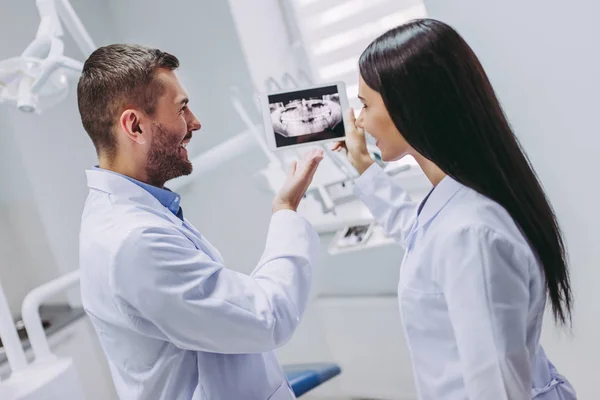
(484, 250)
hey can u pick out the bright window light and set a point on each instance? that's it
(340, 12)
(339, 68)
(335, 33)
(368, 30)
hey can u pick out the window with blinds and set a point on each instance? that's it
(335, 32)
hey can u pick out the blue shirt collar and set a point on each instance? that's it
(166, 197)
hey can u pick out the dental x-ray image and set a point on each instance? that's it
(306, 116)
(354, 235)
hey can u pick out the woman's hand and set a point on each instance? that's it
(355, 145)
(297, 182)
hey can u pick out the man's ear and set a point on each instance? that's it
(131, 124)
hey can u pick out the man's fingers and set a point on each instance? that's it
(293, 169)
(311, 157)
(314, 162)
(313, 171)
(302, 173)
(317, 154)
(309, 169)
(314, 167)
(307, 178)
(307, 156)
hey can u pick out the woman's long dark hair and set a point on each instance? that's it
(442, 102)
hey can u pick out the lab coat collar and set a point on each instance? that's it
(437, 199)
(123, 189)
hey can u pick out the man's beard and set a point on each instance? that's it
(164, 159)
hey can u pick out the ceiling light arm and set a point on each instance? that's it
(74, 26)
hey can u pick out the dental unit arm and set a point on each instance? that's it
(38, 78)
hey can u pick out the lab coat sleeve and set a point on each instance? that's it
(198, 304)
(390, 205)
(485, 281)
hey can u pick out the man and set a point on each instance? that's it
(173, 322)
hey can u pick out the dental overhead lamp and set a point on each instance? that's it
(39, 78)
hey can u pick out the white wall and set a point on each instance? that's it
(543, 59)
(201, 33)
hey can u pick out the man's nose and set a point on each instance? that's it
(194, 123)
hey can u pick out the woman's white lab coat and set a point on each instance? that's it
(173, 322)
(471, 294)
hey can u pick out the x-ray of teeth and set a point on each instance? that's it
(306, 116)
